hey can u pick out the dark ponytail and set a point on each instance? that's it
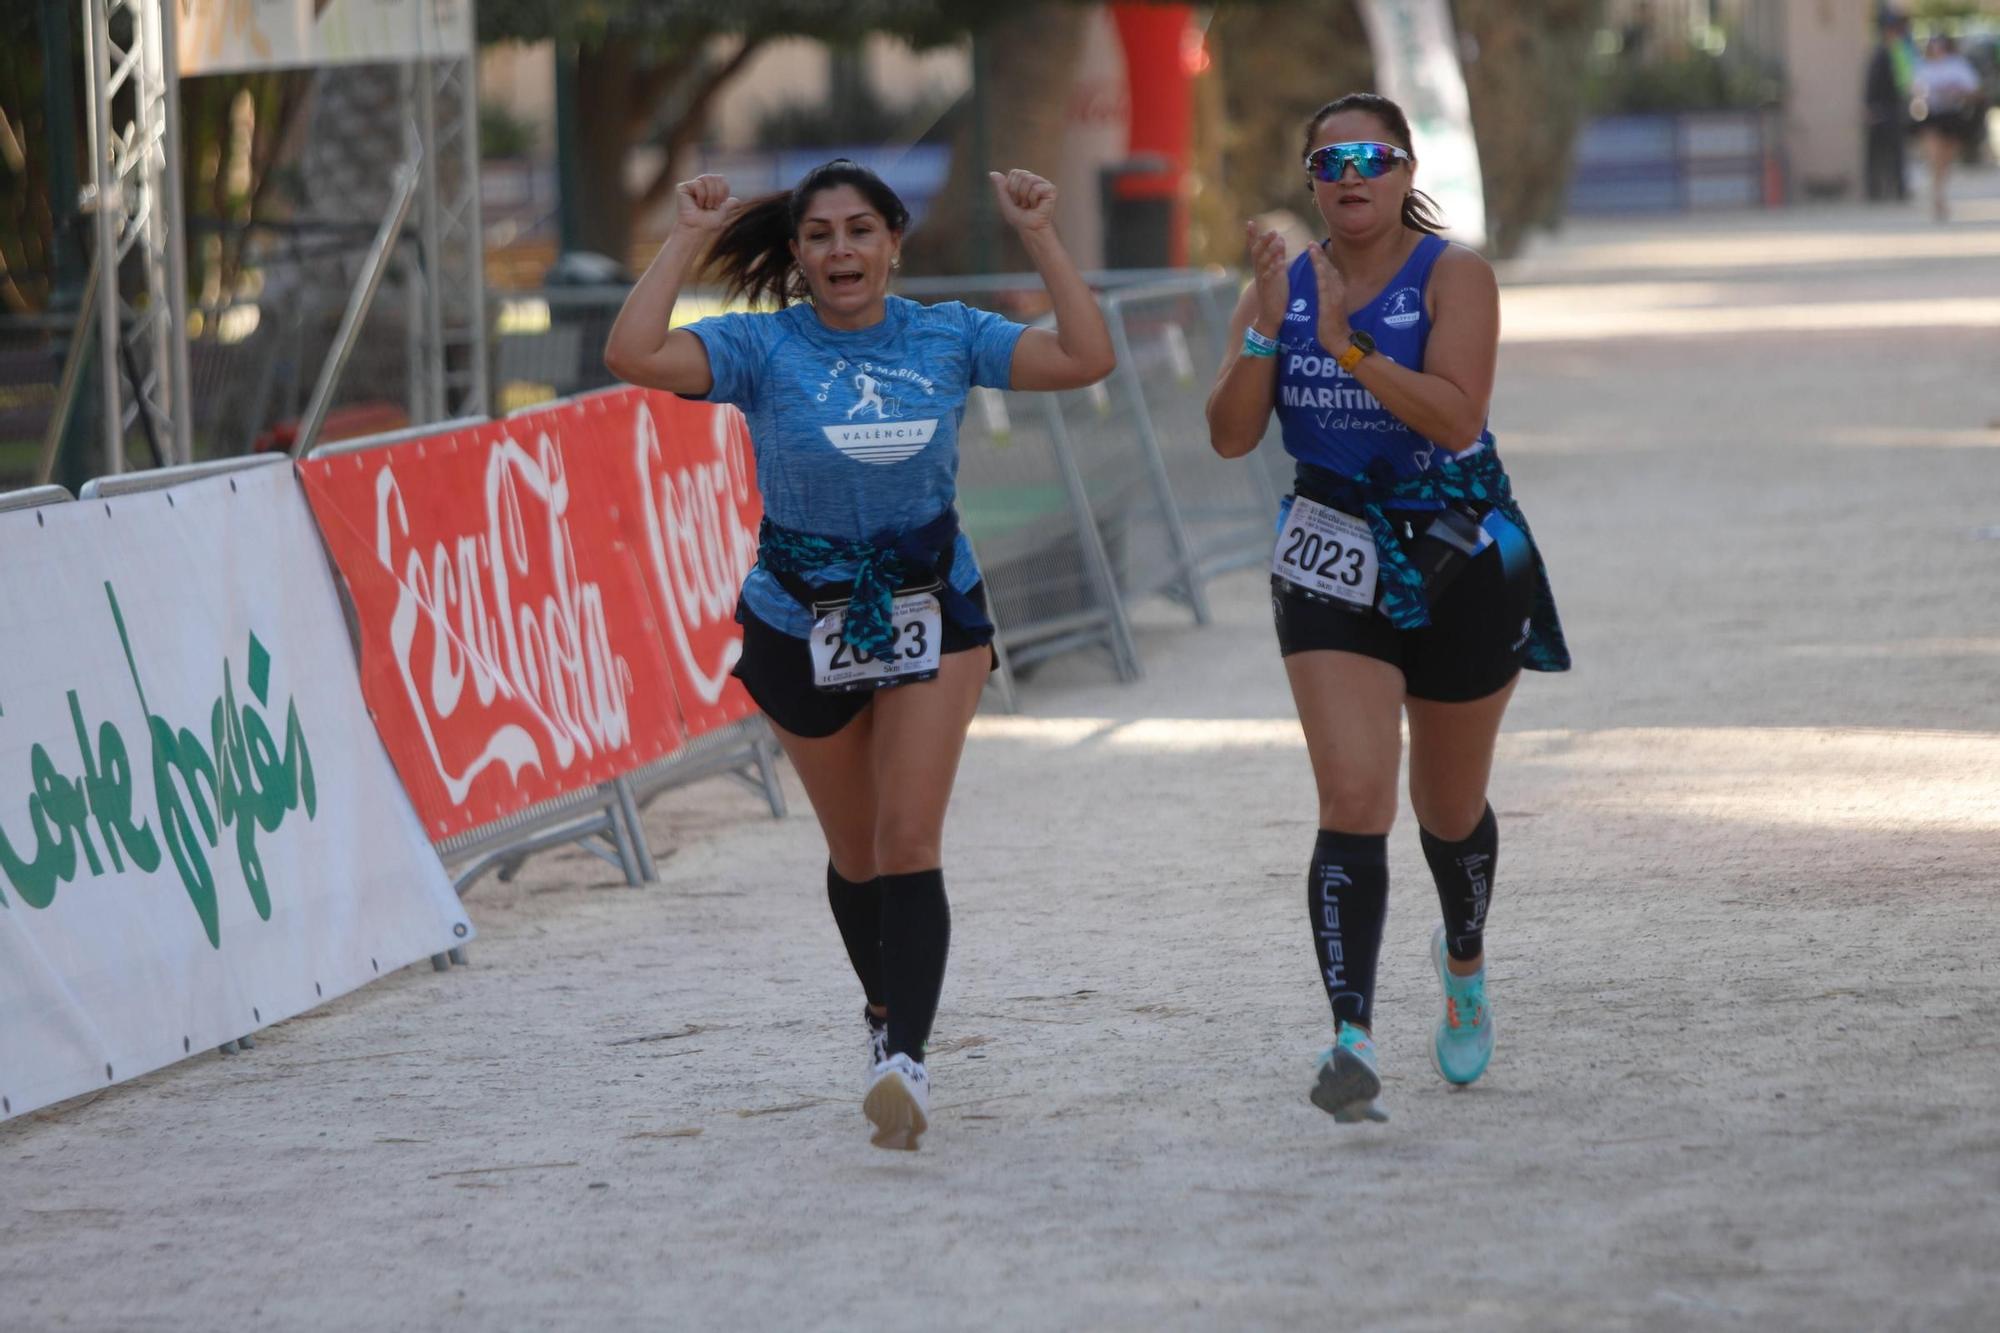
(753, 254)
(1420, 211)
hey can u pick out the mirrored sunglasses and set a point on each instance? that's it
(1369, 159)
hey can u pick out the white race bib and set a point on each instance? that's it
(839, 665)
(1326, 552)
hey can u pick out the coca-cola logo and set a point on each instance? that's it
(508, 613)
(700, 541)
(1100, 105)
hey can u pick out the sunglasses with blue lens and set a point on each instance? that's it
(1370, 160)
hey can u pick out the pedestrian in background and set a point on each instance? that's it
(1945, 104)
(1886, 98)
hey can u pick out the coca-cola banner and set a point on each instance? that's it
(510, 651)
(694, 526)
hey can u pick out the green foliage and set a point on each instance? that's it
(853, 115)
(502, 133)
(26, 225)
(669, 23)
(922, 23)
(1946, 9)
(1691, 81)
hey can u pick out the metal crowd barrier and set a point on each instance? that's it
(548, 344)
(1136, 512)
(1218, 510)
(34, 497)
(159, 479)
(1023, 500)
(1217, 299)
(1025, 504)
(965, 286)
(1168, 514)
(745, 751)
(593, 819)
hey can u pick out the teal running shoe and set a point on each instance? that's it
(1463, 1041)
(1348, 1084)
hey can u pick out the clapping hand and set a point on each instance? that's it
(1272, 274)
(1333, 327)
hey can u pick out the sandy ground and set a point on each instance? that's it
(1742, 942)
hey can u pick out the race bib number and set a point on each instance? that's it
(1326, 552)
(839, 665)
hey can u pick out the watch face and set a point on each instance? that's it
(1363, 340)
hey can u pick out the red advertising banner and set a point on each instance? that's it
(690, 468)
(545, 602)
(509, 653)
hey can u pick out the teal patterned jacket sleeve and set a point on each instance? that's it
(879, 569)
(1476, 479)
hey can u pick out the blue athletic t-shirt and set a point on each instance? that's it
(1327, 417)
(855, 432)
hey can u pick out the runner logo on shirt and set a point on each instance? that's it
(871, 430)
(1403, 309)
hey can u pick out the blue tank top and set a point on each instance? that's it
(1327, 418)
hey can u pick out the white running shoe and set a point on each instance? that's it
(898, 1103)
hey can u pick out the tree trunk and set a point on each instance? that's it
(1030, 59)
(1249, 133)
(691, 121)
(1525, 83)
(607, 81)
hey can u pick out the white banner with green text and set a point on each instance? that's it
(1416, 53)
(200, 833)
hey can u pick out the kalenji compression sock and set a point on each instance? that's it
(1464, 874)
(1347, 896)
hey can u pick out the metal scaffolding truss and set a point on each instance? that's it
(444, 98)
(135, 197)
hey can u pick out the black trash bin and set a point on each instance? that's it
(584, 291)
(1138, 197)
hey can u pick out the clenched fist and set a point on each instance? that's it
(1027, 202)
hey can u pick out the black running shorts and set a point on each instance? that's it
(1474, 645)
(777, 669)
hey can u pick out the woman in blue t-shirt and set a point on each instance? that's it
(1404, 582)
(865, 636)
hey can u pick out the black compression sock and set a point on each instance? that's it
(916, 935)
(1464, 874)
(857, 910)
(1347, 896)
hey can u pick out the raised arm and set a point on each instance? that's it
(642, 349)
(1078, 350)
(1239, 407)
(1446, 401)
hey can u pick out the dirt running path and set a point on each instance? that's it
(1742, 938)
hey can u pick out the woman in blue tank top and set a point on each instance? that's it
(1404, 581)
(865, 638)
